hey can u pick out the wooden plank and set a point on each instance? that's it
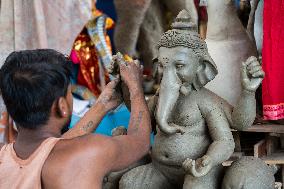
(259, 149)
(275, 158)
(271, 144)
(265, 128)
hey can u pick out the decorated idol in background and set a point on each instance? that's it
(92, 53)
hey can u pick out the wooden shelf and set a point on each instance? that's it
(265, 128)
(275, 158)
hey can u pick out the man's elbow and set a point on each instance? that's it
(144, 146)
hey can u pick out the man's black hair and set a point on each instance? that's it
(31, 81)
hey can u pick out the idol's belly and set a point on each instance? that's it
(173, 150)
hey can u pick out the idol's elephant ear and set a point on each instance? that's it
(207, 70)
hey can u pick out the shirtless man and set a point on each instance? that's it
(35, 87)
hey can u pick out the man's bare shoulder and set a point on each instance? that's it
(83, 142)
(70, 157)
(78, 147)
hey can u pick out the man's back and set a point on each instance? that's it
(23, 173)
(65, 163)
(76, 163)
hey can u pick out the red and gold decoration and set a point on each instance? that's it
(92, 51)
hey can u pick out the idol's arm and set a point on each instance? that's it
(244, 112)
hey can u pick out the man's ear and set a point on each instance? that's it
(206, 71)
(62, 107)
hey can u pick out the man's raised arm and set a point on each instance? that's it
(121, 151)
(108, 100)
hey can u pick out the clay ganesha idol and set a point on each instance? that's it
(194, 124)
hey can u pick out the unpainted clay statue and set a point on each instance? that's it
(130, 14)
(229, 46)
(255, 24)
(141, 23)
(111, 181)
(193, 136)
(251, 173)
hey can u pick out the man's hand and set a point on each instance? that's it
(130, 73)
(110, 98)
(198, 168)
(252, 74)
(118, 153)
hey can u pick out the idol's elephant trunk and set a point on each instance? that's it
(168, 95)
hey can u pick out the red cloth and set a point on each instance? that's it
(273, 59)
(201, 11)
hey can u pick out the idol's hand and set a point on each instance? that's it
(199, 167)
(252, 74)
